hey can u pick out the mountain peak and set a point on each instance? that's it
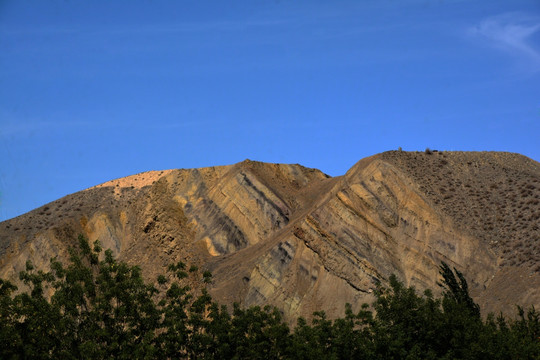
(293, 237)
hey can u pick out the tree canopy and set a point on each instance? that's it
(96, 307)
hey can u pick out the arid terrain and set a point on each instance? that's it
(303, 241)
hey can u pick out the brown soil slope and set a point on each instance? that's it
(295, 238)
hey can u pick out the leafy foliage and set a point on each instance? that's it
(96, 307)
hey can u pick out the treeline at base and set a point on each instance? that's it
(96, 307)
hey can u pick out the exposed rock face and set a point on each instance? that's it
(293, 237)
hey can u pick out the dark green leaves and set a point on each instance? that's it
(456, 289)
(96, 307)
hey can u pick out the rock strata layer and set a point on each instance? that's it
(298, 239)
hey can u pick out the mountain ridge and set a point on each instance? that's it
(299, 239)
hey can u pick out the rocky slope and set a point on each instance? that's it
(303, 241)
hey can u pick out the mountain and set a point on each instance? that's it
(299, 239)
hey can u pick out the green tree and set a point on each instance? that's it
(407, 326)
(96, 307)
(457, 290)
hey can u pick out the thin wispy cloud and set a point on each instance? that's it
(512, 33)
(23, 128)
(171, 28)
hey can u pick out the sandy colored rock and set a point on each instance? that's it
(296, 238)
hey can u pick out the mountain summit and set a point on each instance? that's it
(296, 238)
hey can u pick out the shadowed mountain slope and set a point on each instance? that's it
(303, 241)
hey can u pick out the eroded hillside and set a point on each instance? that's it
(298, 239)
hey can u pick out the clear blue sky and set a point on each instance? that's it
(95, 90)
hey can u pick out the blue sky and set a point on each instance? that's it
(95, 90)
